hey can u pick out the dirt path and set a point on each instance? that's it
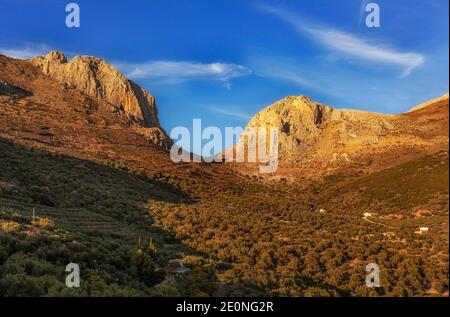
(377, 223)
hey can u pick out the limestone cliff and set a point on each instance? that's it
(308, 128)
(97, 78)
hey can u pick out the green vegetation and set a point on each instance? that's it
(237, 236)
(84, 213)
(272, 239)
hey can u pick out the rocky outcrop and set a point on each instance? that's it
(97, 78)
(308, 128)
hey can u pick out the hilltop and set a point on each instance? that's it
(314, 134)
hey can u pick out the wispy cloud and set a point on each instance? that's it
(304, 74)
(180, 71)
(25, 52)
(232, 112)
(349, 44)
(267, 68)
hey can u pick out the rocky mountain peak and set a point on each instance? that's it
(57, 56)
(309, 129)
(97, 78)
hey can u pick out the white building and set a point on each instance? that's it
(421, 230)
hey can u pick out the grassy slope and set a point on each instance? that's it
(99, 215)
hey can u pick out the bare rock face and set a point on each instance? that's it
(97, 78)
(308, 129)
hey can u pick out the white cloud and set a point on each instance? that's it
(26, 52)
(162, 70)
(349, 44)
(285, 73)
(180, 71)
(303, 74)
(230, 112)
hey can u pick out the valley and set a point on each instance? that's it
(98, 175)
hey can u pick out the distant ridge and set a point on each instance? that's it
(430, 102)
(309, 130)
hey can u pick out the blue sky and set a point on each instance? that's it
(224, 60)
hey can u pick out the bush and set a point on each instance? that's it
(19, 285)
(10, 226)
(165, 290)
(44, 223)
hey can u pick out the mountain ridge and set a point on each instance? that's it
(81, 163)
(97, 78)
(309, 129)
(427, 103)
